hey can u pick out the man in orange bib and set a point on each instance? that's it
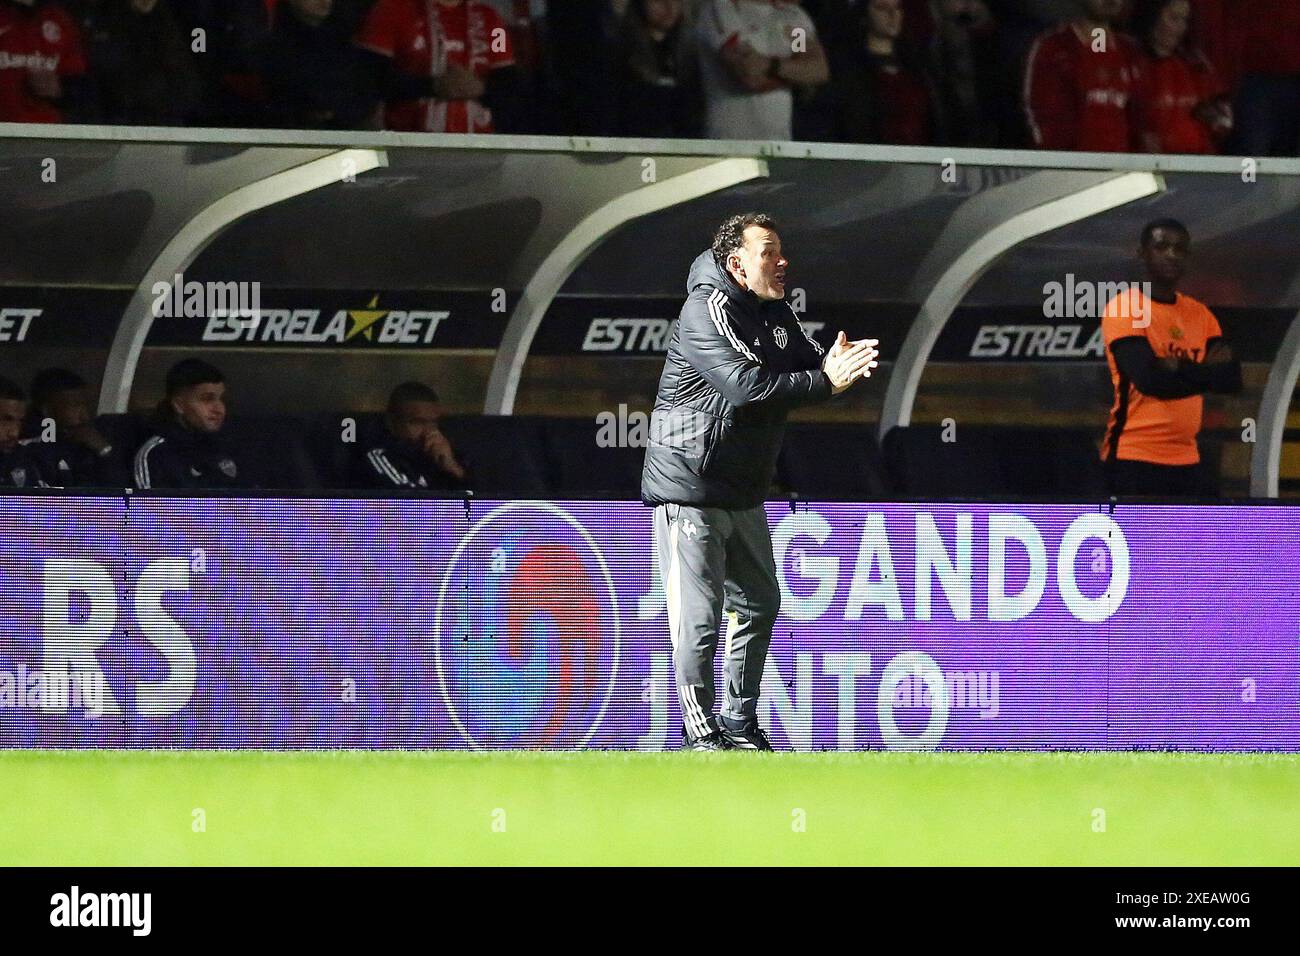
(1165, 350)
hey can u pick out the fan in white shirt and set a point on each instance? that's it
(753, 52)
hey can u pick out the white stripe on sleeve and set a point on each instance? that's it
(718, 313)
(142, 477)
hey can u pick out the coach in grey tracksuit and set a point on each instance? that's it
(738, 362)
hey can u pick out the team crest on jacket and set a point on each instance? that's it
(781, 335)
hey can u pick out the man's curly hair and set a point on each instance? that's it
(731, 234)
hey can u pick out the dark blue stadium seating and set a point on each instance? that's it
(504, 454)
(124, 433)
(988, 461)
(275, 453)
(580, 466)
(832, 462)
(335, 457)
(534, 456)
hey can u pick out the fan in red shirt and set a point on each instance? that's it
(447, 61)
(1180, 104)
(1079, 83)
(42, 62)
(881, 94)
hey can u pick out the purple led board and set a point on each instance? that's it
(323, 623)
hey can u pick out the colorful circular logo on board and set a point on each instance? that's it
(527, 631)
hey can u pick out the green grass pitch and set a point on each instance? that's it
(361, 808)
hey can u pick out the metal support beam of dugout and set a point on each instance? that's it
(195, 236)
(985, 228)
(549, 276)
(1274, 405)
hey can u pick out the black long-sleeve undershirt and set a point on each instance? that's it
(1137, 362)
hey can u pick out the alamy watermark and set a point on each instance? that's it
(76, 908)
(684, 429)
(964, 690)
(55, 691)
(193, 299)
(1076, 299)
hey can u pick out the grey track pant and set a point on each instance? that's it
(713, 559)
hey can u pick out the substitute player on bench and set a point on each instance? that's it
(1164, 352)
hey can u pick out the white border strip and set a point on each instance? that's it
(757, 149)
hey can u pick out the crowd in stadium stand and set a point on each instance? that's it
(1170, 76)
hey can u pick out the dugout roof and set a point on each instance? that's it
(118, 208)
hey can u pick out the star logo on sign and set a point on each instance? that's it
(363, 320)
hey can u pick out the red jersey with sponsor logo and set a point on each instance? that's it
(425, 37)
(1167, 93)
(1078, 91)
(42, 38)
